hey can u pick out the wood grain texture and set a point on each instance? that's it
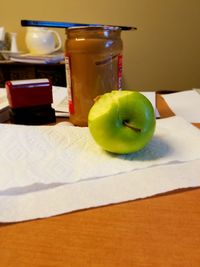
(159, 231)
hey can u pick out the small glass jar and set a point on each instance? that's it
(93, 67)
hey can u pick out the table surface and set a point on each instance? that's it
(161, 231)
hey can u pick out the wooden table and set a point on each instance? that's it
(158, 231)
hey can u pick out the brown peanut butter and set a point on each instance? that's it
(93, 66)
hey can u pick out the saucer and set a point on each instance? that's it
(8, 54)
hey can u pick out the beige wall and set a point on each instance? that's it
(164, 53)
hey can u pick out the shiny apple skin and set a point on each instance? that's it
(108, 117)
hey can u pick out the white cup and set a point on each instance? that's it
(42, 41)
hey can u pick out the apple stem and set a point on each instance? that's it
(131, 126)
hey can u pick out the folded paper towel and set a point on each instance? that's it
(61, 199)
(49, 170)
(68, 154)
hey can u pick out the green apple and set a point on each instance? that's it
(122, 121)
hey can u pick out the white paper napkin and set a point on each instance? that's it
(49, 170)
(53, 200)
(185, 104)
(67, 154)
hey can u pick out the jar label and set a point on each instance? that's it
(112, 63)
(69, 84)
(119, 64)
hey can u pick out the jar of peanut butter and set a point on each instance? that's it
(93, 67)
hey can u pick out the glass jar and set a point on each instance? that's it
(93, 67)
